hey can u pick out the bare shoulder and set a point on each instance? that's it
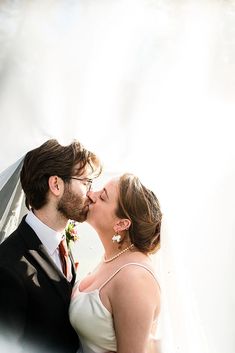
(137, 276)
(136, 287)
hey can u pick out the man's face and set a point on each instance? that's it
(74, 204)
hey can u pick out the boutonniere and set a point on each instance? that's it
(71, 232)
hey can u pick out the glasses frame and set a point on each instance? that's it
(88, 180)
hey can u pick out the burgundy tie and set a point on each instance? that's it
(65, 260)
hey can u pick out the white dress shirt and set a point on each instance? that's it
(49, 237)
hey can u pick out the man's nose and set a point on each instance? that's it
(92, 196)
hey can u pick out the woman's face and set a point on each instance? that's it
(101, 214)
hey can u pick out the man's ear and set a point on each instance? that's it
(55, 185)
(122, 224)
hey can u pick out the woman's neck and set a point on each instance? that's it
(111, 248)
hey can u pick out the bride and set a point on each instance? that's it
(115, 308)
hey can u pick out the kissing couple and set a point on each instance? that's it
(44, 307)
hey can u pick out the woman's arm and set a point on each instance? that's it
(135, 299)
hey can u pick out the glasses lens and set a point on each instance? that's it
(87, 182)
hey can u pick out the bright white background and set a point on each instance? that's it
(149, 86)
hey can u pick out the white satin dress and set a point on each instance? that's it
(91, 319)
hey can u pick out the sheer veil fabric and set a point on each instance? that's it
(149, 86)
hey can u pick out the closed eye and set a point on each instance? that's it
(101, 198)
(102, 195)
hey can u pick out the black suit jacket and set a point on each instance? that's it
(34, 297)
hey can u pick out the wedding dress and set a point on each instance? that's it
(91, 319)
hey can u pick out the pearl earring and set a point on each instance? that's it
(116, 238)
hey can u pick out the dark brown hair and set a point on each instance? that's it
(49, 159)
(141, 207)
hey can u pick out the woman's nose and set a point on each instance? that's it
(92, 196)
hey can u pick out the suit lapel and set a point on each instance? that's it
(74, 269)
(54, 274)
(39, 253)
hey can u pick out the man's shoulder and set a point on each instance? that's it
(13, 246)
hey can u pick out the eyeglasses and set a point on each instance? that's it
(87, 182)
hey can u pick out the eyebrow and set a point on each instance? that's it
(106, 192)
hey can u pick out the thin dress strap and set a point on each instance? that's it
(130, 263)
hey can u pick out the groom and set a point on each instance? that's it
(36, 275)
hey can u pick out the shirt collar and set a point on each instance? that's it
(48, 236)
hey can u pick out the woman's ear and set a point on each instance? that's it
(122, 224)
(55, 185)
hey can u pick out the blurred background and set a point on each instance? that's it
(149, 86)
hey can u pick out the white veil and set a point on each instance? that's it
(149, 86)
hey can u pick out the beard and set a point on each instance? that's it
(73, 206)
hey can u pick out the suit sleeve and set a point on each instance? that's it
(13, 305)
